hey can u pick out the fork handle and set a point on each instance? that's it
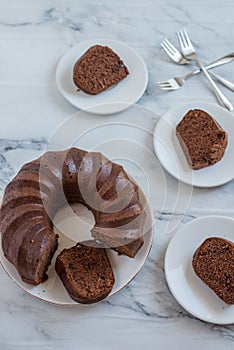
(220, 96)
(221, 61)
(229, 84)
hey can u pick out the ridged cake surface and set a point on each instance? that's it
(46, 184)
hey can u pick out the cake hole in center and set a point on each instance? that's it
(73, 223)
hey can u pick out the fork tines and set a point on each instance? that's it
(166, 45)
(168, 85)
(183, 36)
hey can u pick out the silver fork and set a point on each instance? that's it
(176, 56)
(174, 83)
(190, 53)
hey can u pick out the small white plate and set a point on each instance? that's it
(66, 223)
(171, 156)
(187, 288)
(113, 100)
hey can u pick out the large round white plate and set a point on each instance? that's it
(113, 100)
(194, 295)
(170, 154)
(73, 229)
(126, 140)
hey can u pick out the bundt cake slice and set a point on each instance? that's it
(213, 262)
(98, 69)
(85, 272)
(202, 139)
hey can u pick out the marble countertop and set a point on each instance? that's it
(33, 36)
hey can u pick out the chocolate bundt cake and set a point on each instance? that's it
(46, 184)
(98, 69)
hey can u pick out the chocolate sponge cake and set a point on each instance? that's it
(85, 272)
(213, 262)
(98, 69)
(202, 139)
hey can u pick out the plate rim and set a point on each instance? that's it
(167, 273)
(101, 41)
(190, 105)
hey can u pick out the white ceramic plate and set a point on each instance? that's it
(113, 100)
(125, 269)
(193, 295)
(125, 138)
(171, 156)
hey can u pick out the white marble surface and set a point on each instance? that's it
(33, 36)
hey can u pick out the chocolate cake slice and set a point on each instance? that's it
(85, 272)
(202, 139)
(98, 69)
(213, 262)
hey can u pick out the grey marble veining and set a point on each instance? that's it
(33, 37)
(7, 145)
